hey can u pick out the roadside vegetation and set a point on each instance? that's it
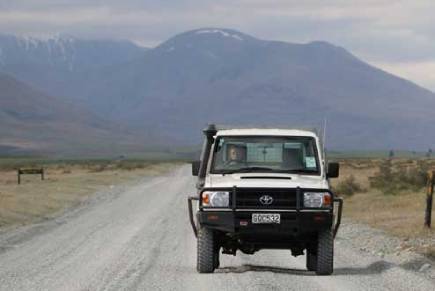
(405, 176)
(67, 184)
(389, 194)
(348, 186)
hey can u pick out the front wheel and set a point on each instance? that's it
(216, 258)
(311, 261)
(325, 252)
(206, 258)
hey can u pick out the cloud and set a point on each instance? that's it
(422, 72)
(379, 31)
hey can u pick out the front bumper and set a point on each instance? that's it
(293, 222)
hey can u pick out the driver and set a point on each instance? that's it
(235, 155)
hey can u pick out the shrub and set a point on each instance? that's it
(348, 186)
(66, 171)
(404, 177)
(97, 168)
(130, 165)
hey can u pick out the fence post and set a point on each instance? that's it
(30, 172)
(429, 198)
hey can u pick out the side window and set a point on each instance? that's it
(218, 152)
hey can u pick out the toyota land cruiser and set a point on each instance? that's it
(264, 189)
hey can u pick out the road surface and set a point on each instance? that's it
(139, 238)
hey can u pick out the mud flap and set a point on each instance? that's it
(338, 200)
(190, 209)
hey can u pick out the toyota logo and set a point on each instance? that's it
(266, 200)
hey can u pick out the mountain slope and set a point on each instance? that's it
(55, 65)
(224, 76)
(31, 121)
(65, 52)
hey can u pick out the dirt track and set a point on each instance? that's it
(139, 238)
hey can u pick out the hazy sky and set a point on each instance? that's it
(398, 36)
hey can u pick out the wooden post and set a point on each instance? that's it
(429, 198)
(30, 172)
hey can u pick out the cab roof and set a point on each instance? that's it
(265, 132)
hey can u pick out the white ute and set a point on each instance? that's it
(264, 189)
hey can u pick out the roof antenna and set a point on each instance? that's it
(324, 134)
(324, 142)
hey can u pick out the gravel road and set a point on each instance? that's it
(139, 238)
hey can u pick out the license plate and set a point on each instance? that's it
(266, 218)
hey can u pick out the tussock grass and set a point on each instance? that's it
(392, 197)
(348, 186)
(406, 176)
(66, 185)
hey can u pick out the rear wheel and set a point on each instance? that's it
(206, 258)
(325, 252)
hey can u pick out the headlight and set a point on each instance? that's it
(317, 199)
(215, 199)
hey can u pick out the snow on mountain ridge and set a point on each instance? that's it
(222, 32)
(58, 48)
(28, 42)
(65, 53)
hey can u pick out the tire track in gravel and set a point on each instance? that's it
(141, 239)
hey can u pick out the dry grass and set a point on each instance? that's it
(65, 186)
(401, 214)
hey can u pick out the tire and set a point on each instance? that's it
(206, 261)
(325, 252)
(311, 261)
(216, 258)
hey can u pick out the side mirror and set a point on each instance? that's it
(195, 168)
(333, 170)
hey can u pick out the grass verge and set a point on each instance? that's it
(400, 213)
(66, 185)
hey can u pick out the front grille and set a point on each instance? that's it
(250, 198)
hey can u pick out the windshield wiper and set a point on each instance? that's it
(302, 171)
(248, 169)
(266, 169)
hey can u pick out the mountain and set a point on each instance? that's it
(228, 77)
(224, 76)
(31, 121)
(54, 64)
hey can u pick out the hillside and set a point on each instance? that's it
(31, 121)
(54, 65)
(228, 77)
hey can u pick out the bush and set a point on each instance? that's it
(348, 186)
(130, 165)
(66, 171)
(383, 177)
(97, 168)
(392, 181)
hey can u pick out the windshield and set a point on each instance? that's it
(265, 154)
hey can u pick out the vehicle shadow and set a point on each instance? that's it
(255, 268)
(372, 269)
